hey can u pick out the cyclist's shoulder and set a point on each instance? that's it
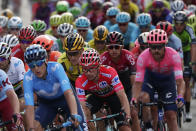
(132, 26)
(91, 43)
(90, 31)
(114, 27)
(62, 58)
(54, 55)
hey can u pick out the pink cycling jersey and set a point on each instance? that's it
(125, 62)
(107, 84)
(170, 63)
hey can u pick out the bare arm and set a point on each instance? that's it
(30, 116)
(124, 101)
(180, 87)
(136, 89)
(13, 99)
(71, 101)
(132, 79)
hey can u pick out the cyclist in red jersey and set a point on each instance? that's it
(103, 83)
(140, 45)
(123, 61)
(26, 36)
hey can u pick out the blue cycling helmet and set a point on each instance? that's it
(15, 22)
(82, 22)
(35, 52)
(112, 11)
(123, 17)
(144, 19)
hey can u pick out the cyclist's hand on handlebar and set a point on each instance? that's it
(180, 101)
(91, 126)
(17, 118)
(75, 119)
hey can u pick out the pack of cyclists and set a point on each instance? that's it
(82, 55)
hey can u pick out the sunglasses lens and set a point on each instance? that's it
(154, 47)
(73, 53)
(114, 47)
(37, 63)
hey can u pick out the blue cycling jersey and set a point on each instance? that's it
(5, 85)
(53, 87)
(108, 24)
(175, 43)
(131, 34)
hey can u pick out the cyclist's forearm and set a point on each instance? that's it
(180, 87)
(30, 116)
(71, 101)
(132, 79)
(124, 101)
(13, 99)
(136, 89)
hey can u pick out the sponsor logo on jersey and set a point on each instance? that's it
(56, 66)
(168, 95)
(178, 73)
(176, 58)
(80, 91)
(130, 59)
(84, 84)
(103, 84)
(115, 80)
(6, 82)
(106, 75)
(140, 62)
(138, 75)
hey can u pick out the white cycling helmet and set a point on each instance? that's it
(177, 5)
(15, 22)
(10, 39)
(3, 21)
(5, 50)
(64, 29)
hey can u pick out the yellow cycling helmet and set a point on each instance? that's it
(8, 13)
(55, 20)
(67, 18)
(100, 33)
(73, 41)
(192, 19)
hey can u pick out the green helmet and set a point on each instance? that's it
(192, 19)
(39, 25)
(67, 18)
(55, 20)
(62, 6)
(76, 11)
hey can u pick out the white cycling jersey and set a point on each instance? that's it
(16, 72)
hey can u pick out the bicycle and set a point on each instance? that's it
(109, 126)
(161, 125)
(3, 124)
(64, 125)
(181, 118)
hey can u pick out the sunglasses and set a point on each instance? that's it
(116, 47)
(154, 47)
(122, 24)
(36, 63)
(157, 9)
(99, 41)
(75, 53)
(2, 59)
(143, 47)
(112, 16)
(82, 30)
(144, 26)
(25, 41)
(14, 29)
(85, 70)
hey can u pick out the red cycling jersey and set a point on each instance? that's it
(18, 52)
(126, 61)
(107, 84)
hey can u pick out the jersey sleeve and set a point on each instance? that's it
(28, 88)
(177, 63)
(80, 89)
(140, 67)
(21, 70)
(60, 74)
(103, 58)
(5, 82)
(115, 81)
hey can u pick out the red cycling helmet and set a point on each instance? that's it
(90, 57)
(44, 41)
(157, 36)
(166, 26)
(27, 33)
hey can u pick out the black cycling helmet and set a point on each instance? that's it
(115, 38)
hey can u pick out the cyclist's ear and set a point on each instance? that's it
(122, 47)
